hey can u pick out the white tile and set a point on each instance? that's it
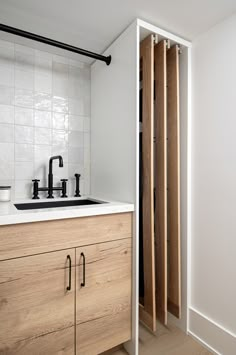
(76, 63)
(75, 88)
(43, 83)
(24, 79)
(42, 101)
(60, 173)
(76, 155)
(87, 157)
(42, 118)
(6, 133)
(6, 95)
(7, 152)
(23, 189)
(76, 139)
(60, 121)
(61, 149)
(86, 140)
(6, 44)
(6, 170)
(24, 134)
(24, 170)
(24, 49)
(42, 153)
(60, 104)
(42, 136)
(7, 57)
(24, 59)
(86, 124)
(60, 79)
(6, 75)
(6, 114)
(60, 59)
(41, 173)
(76, 107)
(76, 123)
(43, 63)
(24, 98)
(59, 137)
(24, 152)
(76, 169)
(24, 116)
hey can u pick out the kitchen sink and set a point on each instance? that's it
(55, 204)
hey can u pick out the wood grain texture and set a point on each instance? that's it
(147, 66)
(160, 162)
(39, 237)
(103, 306)
(36, 310)
(173, 182)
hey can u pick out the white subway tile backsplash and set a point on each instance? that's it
(42, 119)
(42, 136)
(23, 188)
(7, 152)
(76, 139)
(6, 114)
(60, 104)
(42, 101)
(76, 155)
(6, 95)
(6, 133)
(76, 123)
(6, 75)
(24, 134)
(60, 121)
(24, 152)
(43, 83)
(24, 98)
(24, 116)
(59, 137)
(24, 170)
(44, 111)
(6, 171)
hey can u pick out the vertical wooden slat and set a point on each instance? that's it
(148, 310)
(173, 182)
(160, 159)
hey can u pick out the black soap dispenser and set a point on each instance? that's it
(77, 190)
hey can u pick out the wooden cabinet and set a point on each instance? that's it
(103, 296)
(36, 309)
(38, 313)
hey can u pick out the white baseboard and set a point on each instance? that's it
(212, 335)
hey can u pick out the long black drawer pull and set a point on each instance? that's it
(83, 283)
(69, 286)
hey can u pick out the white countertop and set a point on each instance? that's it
(9, 214)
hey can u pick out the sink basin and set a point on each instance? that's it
(54, 204)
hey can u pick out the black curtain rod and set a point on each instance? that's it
(51, 42)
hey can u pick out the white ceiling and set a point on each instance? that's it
(94, 24)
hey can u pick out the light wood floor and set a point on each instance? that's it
(167, 341)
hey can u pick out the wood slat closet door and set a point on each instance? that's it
(148, 309)
(173, 183)
(160, 156)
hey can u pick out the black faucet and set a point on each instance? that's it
(50, 187)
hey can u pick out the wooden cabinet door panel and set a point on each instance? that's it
(103, 305)
(36, 309)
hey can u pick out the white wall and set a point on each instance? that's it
(213, 251)
(44, 111)
(114, 139)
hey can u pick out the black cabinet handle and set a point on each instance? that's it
(69, 286)
(83, 283)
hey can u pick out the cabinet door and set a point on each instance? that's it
(36, 309)
(103, 296)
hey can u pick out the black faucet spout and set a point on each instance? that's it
(50, 175)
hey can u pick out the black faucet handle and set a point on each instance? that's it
(35, 189)
(64, 181)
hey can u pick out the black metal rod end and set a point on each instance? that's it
(108, 60)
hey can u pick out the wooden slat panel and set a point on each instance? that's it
(147, 62)
(161, 180)
(36, 310)
(103, 306)
(173, 182)
(39, 237)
